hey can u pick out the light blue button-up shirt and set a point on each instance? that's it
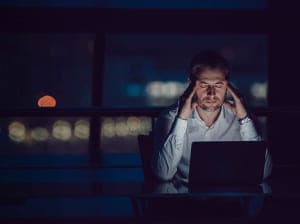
(173, 138)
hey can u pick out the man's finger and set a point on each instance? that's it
(192, 93)
(232, 93)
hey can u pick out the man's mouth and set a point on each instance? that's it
(211, 100)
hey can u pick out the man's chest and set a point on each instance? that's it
(218, 132)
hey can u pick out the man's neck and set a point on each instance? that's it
(209, 117)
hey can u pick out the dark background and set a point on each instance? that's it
(99, 55)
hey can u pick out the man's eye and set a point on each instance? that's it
(203, 85)
(219, 85)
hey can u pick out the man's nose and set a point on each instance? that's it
(211, 90)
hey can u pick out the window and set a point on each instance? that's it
(146, 70)
(35, 65)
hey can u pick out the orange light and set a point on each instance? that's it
(47, 101)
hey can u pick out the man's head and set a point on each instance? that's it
(209, 72)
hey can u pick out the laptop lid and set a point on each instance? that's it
(227, 164)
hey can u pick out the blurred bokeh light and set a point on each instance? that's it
(62, 130)
(82, 129)
(47, 101)
(17, 131)
(40, 134)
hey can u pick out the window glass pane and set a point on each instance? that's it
(34, 65)
(145, 70)
(44, 141)
(119, 134)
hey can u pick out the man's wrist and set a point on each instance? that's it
(244, 120)
(182, 118)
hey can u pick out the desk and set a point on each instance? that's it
(284, 197)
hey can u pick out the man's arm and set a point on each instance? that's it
(247, 128)
(248, 131)
(169, 136)
(168, 146)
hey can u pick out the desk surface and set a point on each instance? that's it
(127, 189)
(282, 203)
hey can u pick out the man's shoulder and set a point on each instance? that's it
(170, 111)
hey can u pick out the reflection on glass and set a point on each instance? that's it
(164, 93)
(119, 134)
(62, 130)
(155, 67)
(37, 65)
(47, 135)
(40, 134)
(108, 128)
(17, 131)
(121, 127)
(82, 129)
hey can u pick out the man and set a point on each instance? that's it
(201, 114)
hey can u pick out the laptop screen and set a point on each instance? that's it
(236, 163)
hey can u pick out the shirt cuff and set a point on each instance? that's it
(180, 127)
(248, 131)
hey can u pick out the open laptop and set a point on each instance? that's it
(232, 166)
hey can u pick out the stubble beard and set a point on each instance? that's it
(213, 108)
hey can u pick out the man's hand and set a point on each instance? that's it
(237, 107)
(186, 106)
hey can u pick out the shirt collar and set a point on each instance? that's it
(221, 116)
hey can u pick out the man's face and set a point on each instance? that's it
(211, 89)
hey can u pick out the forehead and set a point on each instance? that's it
(211, 75)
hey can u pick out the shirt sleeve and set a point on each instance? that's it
(168, 146)
(248, 131)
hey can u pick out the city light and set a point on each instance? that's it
(121, 127)
(146, 125)
(40, 134)
(62, 130)
(108, 128)
(17, 131)
(134, 125)
(134, 90)
(82, 129)
(259, 90)
(168, 89)
(47, 101)
(153, 89)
